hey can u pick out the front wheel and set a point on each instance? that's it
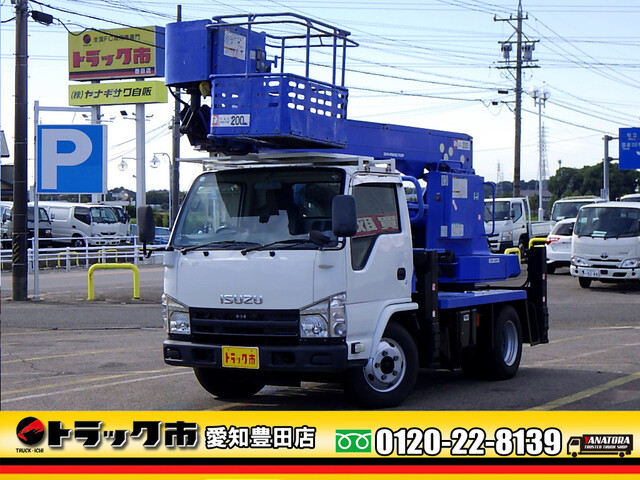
(77, 242)
(390, 374)
(584, 282)
(227, 384)
(503, 355)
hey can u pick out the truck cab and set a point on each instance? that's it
(508, 224)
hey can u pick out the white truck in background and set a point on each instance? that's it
(508, 224)
(568, 207)
(606, 243)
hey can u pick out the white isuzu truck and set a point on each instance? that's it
(296, 255)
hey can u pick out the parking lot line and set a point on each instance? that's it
(587, 393)
(76, 354)
(89, 387)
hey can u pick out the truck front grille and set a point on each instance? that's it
(245, 327)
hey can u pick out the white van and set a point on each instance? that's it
(606, 243)
(78, 224)
(568, 207)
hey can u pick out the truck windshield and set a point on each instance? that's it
(503, 211)
(562, 210)
(237, 208)
(608, 222)
(103, 215)
(43, 217)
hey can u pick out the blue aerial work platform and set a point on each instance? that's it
(261, 99)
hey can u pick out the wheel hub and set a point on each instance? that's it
(387, 367)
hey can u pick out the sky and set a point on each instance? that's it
(426, 63)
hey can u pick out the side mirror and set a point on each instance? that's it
(146, 225)
(343, 215)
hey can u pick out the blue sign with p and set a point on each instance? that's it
(71, 159)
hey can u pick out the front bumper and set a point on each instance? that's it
(498, 246)
(606, 273)
(300, 358)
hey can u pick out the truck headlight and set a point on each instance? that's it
(175, 316)
(326, 318)
(506, 236)
(579, 262)
(631, 263)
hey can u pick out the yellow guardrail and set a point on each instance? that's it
(538, 241)
(515, 250)
(68, 257)
(106, 250)
(114, 266)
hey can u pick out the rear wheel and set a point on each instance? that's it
(551, 268)
(228, 384)
(391, 373)
(584, 282)
(502, 356)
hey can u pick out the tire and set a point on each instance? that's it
(502, 355)
(584, 282)
(523, 245)
(228, 384)
(551, 269)
(77, 242)
(390, 375)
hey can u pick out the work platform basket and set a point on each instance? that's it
(257, 69)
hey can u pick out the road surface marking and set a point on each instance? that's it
(587, 393)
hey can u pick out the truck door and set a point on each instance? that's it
(381, 261)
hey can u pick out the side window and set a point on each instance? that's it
(377, 210)
(517, 211)
(82, 214)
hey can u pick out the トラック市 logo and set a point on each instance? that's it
(30, 431)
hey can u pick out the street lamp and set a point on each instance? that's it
(155, 163)
(123, 165)
(540, 96)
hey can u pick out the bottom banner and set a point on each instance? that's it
(282, 444)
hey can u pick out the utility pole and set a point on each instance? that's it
(19, 269)
(523, 57)
(604, 193)
(174, 190)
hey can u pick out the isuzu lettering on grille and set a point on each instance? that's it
(241, 299)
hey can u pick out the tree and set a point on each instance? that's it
(588, 181)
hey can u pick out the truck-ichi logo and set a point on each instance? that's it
(621, 445)
(241, 299)
(30, 431)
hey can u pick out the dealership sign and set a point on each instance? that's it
(136, 52)
(117, 93)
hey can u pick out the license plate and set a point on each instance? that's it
(240, 357)
(591, 272)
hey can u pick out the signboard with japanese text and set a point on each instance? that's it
(116, 53)
(259, 445)
(117, 93)
(629, 148)
(71, 159)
